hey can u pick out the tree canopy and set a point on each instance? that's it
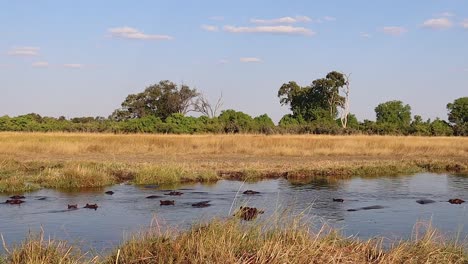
(316, 101)
(160, 100)
(394, 113)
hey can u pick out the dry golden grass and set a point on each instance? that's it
(62, 160)
(230, 241)
(118, 146)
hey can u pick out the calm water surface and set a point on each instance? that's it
(128, 211)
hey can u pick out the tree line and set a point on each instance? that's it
(322, 107)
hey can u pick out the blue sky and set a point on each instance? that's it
(82, 58)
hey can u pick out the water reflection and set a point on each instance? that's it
(128, 210)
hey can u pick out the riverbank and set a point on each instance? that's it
(231, 241)
(29, 161)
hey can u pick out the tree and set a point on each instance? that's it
(160, 100)
(394, 113)
(317, 101)
(458, 115)
(203, 106)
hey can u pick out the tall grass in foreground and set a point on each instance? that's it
(232, 241)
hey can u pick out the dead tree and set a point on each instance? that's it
(203, 106)
(345, 106)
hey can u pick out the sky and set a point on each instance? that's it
(82, 58)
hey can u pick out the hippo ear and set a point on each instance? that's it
(241, 207)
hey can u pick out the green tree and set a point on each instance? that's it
(394, 113)
(317, 101)
(236, 121)
(160, 100)
(264, 124)
(441, 128)
(458, 115)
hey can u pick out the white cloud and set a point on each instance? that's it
(73, 65)
(289, 30)
(464, 24)
(40, 64)
(365, 35)
(281, 20)
(447, 14)
(210, 28)
(217, 18)
(394, 31)
(133, 33)
(329, 18)
(223, 61)
(24, 51)
(250, 59)
(438, 23)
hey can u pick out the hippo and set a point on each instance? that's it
(248, 213)
(91, 206)
(456, 201)
(17, 197)
(250, 192)
(109, 192)
(153, 197)
(166, 202)
(372, 207)
(174, 193)
(201, 204)
(425, 201)
(72, 206)
(338, 200)
(14, 201)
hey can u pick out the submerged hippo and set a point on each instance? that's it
(166, 202)
(338, 200)
(174, 193)
(72, 206)
(201, 204)
(14, 201)
(109, 192)
(250, 192)
(153, 197)
(17, 197)
(372, 207)
(425, 201)
(91, 206)
(456, 201)
(248, 213)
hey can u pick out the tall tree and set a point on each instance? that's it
(394, 113)
(317, 101)
(160, 100)
(458, 115)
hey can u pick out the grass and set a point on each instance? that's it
(231, 241)
(59, 160)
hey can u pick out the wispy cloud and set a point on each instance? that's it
(24, 51)
(365, 35)
(394, 31)
(133, 33)
(217, 18)
(250, 59)
(281, 20)
(40, 64)
(438, 23)
(73, 65)
(223, 61)
(329, 18)
(285, 30)
(464, 24)
(447, 14)
(210, 28)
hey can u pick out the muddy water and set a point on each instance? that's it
(127, 210)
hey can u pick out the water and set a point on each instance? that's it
(128, 211)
